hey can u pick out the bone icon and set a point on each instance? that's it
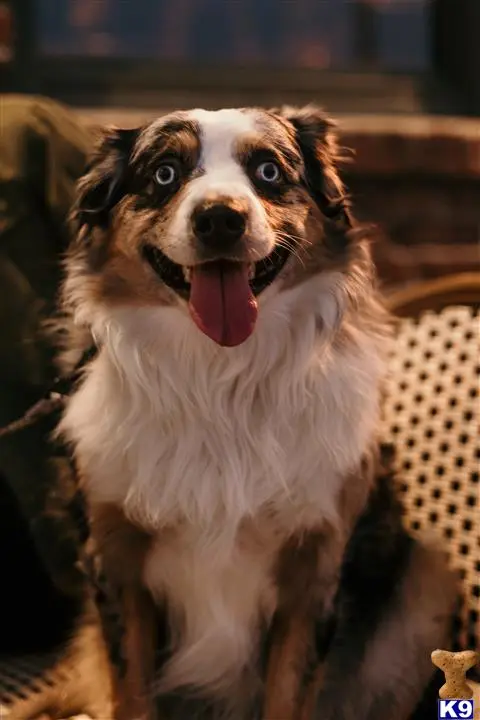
(455, 666)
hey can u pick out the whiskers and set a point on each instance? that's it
(293, 244)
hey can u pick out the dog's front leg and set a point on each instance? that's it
(287, 665)
(307, 572)
(132, 631)
(132, 687)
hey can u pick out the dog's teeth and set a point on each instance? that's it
(187, 273)
(251, 271)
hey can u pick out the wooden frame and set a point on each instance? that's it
(461, 289)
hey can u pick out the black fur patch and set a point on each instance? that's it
(376, 558)
(105, 181)
(317, 143)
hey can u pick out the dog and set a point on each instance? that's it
(226, 433)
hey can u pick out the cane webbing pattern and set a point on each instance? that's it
(432, 416)
(23, 680)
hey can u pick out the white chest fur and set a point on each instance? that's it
(183, 434)
(216, 597)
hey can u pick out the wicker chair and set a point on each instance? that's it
(431, 415)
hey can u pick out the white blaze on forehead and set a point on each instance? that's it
(219, 131)
(221, 173)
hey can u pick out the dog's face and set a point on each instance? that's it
(206, 210)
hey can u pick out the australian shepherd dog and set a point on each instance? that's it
(226, 432)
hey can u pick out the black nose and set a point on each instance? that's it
(218, 224)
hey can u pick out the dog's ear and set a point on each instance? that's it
(317, 139)
(105, 180)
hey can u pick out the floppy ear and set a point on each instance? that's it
(105, 180)
(317, 139)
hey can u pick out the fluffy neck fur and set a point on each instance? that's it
(173, 427)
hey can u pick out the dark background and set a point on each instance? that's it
(356, 55)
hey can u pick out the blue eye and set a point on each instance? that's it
(268, 172)
(166, 174)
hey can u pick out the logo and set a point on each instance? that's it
(456, 694)
(456, 709)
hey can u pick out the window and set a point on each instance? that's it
(352, 55)
(388, 35)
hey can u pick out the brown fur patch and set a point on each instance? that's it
(126, 277)
(238, 204)
(113, 271)
(293, 627)
(116, 537)
(133, 692)
(122, 548)
(105, 261)
(307, 709)
(176, 137)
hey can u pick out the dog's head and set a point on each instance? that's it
(208, 210)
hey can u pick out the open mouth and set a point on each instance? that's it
(260, 274)
(221, 294)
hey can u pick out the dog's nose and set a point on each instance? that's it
(218, 225)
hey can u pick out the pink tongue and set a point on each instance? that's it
(222, 303)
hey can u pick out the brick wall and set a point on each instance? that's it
(417, 178)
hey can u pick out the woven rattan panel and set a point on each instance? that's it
(24, 681)
(432, 416)
(22, 678)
